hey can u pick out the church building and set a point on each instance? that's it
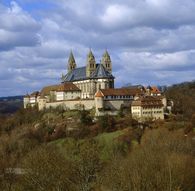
(92, 77)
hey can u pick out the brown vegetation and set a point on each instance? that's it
(165, 161)
(61, 150)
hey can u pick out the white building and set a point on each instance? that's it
(31, 100)
(55, 93)
(110, 101)
(148, 107)
(60, 92)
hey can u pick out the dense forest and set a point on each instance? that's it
(70, 150)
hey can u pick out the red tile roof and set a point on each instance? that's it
(121, 92)
(148, 101)
(99, 94)
(155, 90)
(68, 86)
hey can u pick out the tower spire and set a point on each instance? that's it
(71, 62)
(91, 63)
(106, 61)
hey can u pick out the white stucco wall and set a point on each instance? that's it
(60, 96)
(144, 113)
(26, 101)
(32, 100)
(90, 87)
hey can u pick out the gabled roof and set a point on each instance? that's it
(155, 90)
(101, 72)
(80, 74)
(121, 92)
(99, 94)
(148, 101)
(68, 86)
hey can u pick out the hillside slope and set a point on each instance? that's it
(183, 96)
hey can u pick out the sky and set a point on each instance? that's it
(149, 41)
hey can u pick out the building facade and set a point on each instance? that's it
(110, 101)
(147, 107)
(92, 86)
(92, 77)
(31, 100)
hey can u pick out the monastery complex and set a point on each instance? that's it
(92, 87)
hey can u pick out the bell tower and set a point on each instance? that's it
(71, 62)
(91, 64)
(106, 61)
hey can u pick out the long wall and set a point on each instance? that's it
(116, 104)
(111, 107)
(72, 104)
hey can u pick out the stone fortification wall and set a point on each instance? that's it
(116, 104)
(111, 107)
(72, 104)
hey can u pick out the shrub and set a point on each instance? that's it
(107, 123)
(85, 117)
(164, 161)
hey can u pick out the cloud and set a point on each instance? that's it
(17, 28)
(156, 68)
(114, 15)
(150, 41)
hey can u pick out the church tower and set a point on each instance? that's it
(71, 62)
(106, 61)
(91, 64)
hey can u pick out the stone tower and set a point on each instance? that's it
(91, 64)
(99, 102)
(71, 62)
(106, 61)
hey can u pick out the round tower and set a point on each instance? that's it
(99, 103)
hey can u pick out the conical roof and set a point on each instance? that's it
(90, 55)
(71, 58)
(106, 54)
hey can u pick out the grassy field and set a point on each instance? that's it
(107, 142)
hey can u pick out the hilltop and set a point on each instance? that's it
(83, 153)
